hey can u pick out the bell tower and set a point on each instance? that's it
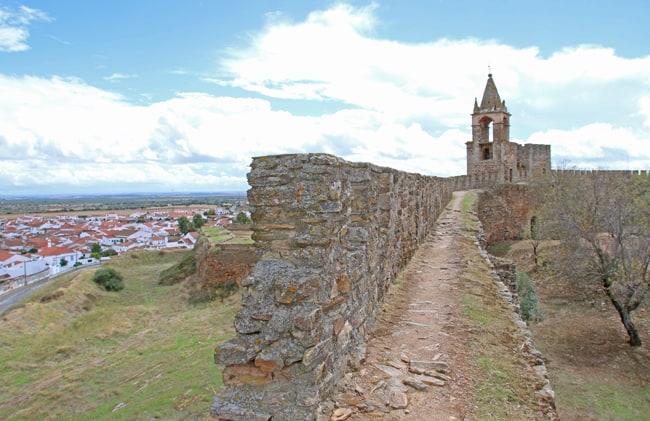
(492, 111)
(486, 152)
(491, 157)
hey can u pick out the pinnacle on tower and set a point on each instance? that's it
(491, 100)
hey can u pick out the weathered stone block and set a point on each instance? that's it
(238, 350)
(245, 375)
(268, 362)
(308, 319)
(331, 207)
(316, 354)
(225, 410)
(343, 284)
(246, 324)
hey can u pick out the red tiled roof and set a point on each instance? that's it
(54, 251)
(14, 242)
(5, 255)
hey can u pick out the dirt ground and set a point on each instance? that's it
(595, 373)
(426, 322)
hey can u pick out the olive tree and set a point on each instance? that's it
(185, 225)
(603, 222)
(198, 221)
(242, 218)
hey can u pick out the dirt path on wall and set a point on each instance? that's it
(415, 325)
(422, 334)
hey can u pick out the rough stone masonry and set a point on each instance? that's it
(331, 235)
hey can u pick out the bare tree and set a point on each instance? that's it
(603, 221)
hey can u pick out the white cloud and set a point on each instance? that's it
(330, 58)
(644, 109)
(598, 145)
(119, 76)
(400, 105)
(63, 131)
(13, 39)
(13, 27)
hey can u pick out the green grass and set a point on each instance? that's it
(144, 348)
(497, 374)
(503, 388)
(180, 271)
(219, 234)
(216, 234)
(473, 309)
(240, 240)
(469, 218)
(500, 249)
(605, 400)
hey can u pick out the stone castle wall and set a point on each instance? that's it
(533, 161)
(217, 265)
(506, 211)
(509, 162)
(331, 236)
(609, 173)
(474, 181)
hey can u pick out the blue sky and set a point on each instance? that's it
(161, 96)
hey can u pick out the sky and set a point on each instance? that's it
(178, 96)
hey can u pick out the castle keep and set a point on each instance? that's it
(491, 155)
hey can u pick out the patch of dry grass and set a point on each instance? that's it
(595, 373)
(142, 353)
(504, 383)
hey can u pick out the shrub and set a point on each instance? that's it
(528, 299)
(109, 253)
(109, 279)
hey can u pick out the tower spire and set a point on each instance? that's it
(491, 100)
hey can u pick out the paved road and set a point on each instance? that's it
(16, 295)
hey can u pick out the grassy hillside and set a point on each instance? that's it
(76, 352)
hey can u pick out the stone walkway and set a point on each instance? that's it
(416, 364)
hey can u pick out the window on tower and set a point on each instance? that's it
(487, 154)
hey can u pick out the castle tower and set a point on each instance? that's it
(493, 111)
(489, 153)
(491, 157)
